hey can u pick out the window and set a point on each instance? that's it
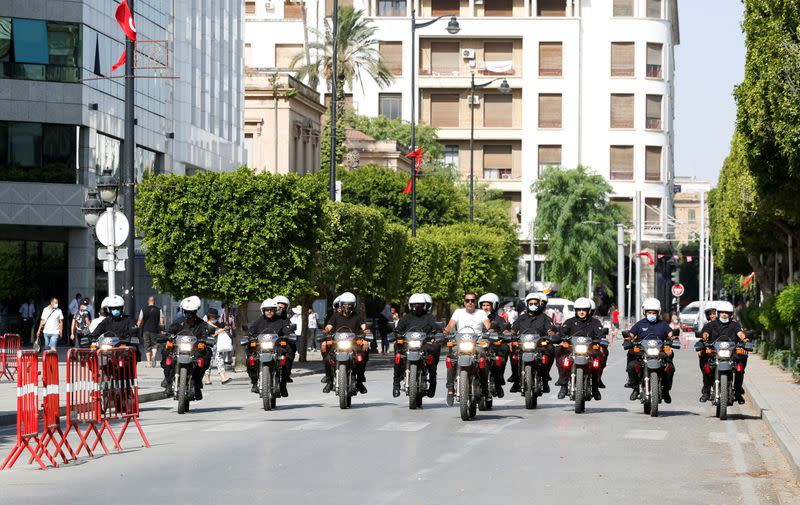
(147, 162)
(392, 8)
(622, 59)
(285, 53)
(549, 111)
(248, 54)
(621, 163)
(451, 156)
(294, 9)
(652, 210)
(444, 110)
(498, 8)
(392, 54)
(107, 153)
(498, 110)
(390, 105)
(498, 57)
(621, 111)
(445, 7)
(250, 8)
(653, 119)
(248, 146)
(37, 152)
(550, 59)
(623, 8)
(445, 57)
(654, 8)
(5, 40)
(692, 215)
(652, 163)
(549, 156)
(342, 3)
(40, 50)
(654, 59)
(30, 41)
(552, 8)
(497, 162)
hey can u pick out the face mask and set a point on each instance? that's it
(116, 312)
(419, 311)
(651, 318)
(55, 306)
(724, 319)
(533, 308)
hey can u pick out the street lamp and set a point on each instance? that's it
(108, 186)
(504, 89)
(452, 29)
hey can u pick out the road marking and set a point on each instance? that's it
(451, 457)
(233, 426)
(318, 426)
(396, 426)
(487, 428)
(744, 480)
(719, 437)
(646, 435)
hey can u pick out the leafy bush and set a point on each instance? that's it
(788, 305)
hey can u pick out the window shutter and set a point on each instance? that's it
(444, 110)
(284, 53)
(623, 7)
(622, 59)
(622, 163)
(445, 57)
(652, 210)
(549, 111)
(550, 58)
(445, 7)
(652, 163)
(498, 110)
(653, 120)
(654, 59)
(552, 8)
(549, 155)
(250, 8)
(621, 111)
(496, 156)
(392, 54)
(498, 51)
(654, 8)
(498, 8)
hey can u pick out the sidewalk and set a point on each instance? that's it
(777, 395)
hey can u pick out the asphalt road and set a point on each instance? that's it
(228, 450)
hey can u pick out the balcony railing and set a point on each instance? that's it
(482, 68)
(654, 71)
(653, 123)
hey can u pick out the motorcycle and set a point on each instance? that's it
(725, 359)
(472, 385)
(347, 352)
(584, 362)
(116, 372)
(651, 354)
(270, 350)
(417, 360)
(186, 352)
(532, 360)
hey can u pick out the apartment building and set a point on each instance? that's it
(688, 212)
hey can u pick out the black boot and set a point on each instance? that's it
(361, 387)
(498, 391)
(666, 397)
(432, 386)
(562, 392)
(596, 393)
(514, 387)
(634, 393)
(284, 391)
(450, 396)
(396, 389)
(254, 388)
(705, 395)
(546, 386)
(328, 386)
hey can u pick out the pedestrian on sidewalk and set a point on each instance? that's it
(150, 321)
(224, 344)
(313, 326)
(79, 328)
(27, 312)
(51, 325)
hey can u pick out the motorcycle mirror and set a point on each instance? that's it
(211, 341)
(391, 337)
(603, 342)
(439, 337)
(627, 344)
(626, 334)
(368, 337)
(676, 344)
(605, 332)
(162, 338)
(699, 346)
(748, 346)
(244, 341)
(440, 326)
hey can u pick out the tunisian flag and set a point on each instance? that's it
(748, 279)
(125, 19)
(417, 155)
(120, 61)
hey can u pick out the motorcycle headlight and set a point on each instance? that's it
(185, 347)
(344, 345)
(528, 346)
(266, 346)
(581, 349)
(414, 344)
(466, 346)
(724, 353)
(106, 347)
(652, 351)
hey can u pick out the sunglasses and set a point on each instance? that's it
(470, 300)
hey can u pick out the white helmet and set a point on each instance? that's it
(710, 307)
(415, 299)
(490, 298)
(282, 299)
(533, 296)
(593, 309)
(428, 301)
(113, 301)
(269, 303)
(651, 304)
(725, 307)
(348, 298)
(336, 303)
(582, 303)
(191, 303)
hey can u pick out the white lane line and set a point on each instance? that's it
(486, 428)
(226, 426)
(739, 464)
(318, 426)
(719, 437)
(646, 435)
(450, 457)
(398, 426)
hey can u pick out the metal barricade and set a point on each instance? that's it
(9, 346)
(52, 433)
(119, 392)
(27, 412)
(83, 399)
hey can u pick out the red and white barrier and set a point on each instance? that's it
(119, 392)
(52, 433)
(9, 346)
(83, 407)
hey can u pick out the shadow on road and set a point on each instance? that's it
(674, 413)
(492, 416)
(213, 409)
(280, 407)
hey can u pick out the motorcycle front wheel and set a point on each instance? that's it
(529, 378)
(724, 393)
(464, 395)
(580, 391)
(183, 391)
(413, 386)
(343, 386)
(267, 394)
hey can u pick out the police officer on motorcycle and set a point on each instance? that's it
(585, 325)
(651, 327)
(468, 317)
(199, 329)
(283, 313)
(708, 333)
(269, 322)
(346, 319)
(730, 330)
(489, 303)
(418, 319)
(117, 323)
(534, 321)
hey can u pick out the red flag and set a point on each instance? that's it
(749, 279)
(649, 256)
(120, 61)
(408, 187)
(125, 19)
(417, 155)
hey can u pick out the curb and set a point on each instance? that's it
(789, 446)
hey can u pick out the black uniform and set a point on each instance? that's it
(589, 327)
(645, 330)
(537, 323)
(499, 325)
(276, 325)
(424, 323)
(730, 331)
(353, 324)
(201, 330)
(291, 344)
(712, 328)
(123, 327)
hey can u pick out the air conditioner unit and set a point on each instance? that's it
(268, 5)
(474, 99)
(468, 54)
(478, 2)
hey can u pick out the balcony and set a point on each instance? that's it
(654, 71)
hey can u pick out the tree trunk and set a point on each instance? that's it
(764, 273)
(238, 332)
(305, 34)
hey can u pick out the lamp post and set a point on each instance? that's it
(505, 89)
(452, 29)
(100, 211)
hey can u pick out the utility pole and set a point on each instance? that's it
(635, 310)
(621, 269)
(702, 258)
(128, 177)
(334, 72)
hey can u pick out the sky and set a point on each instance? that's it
(709, 62)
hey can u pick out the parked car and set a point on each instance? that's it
(690, 317)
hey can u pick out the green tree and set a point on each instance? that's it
(383, 128)
(578, 222)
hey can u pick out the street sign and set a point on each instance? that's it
(102, 253)
(676, 188)
(677, 290)
(120, 266)
(120, 232)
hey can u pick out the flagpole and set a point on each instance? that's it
(129, 150)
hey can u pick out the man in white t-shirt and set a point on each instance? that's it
(468, 317)
(51, 324)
